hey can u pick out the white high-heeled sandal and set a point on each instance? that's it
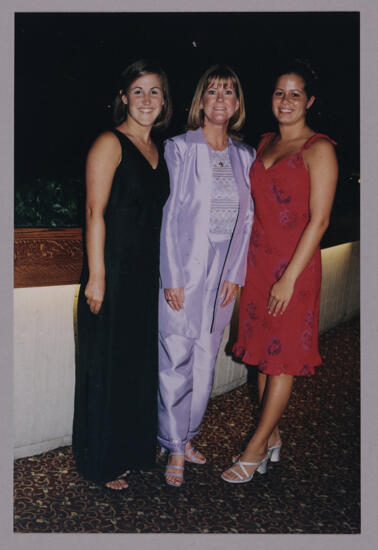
(274, 452)
(261, 469)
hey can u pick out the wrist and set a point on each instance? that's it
(97, 277)
(288, 277)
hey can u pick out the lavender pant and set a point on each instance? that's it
(186, 366)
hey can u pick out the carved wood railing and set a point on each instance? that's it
(44, 257)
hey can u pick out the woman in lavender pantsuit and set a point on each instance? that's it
(205, 233)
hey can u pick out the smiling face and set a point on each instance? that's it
(144, 99)
(290, 100)
(219, 102)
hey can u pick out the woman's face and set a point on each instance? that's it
(290, 101)
(219, 102)
(144, 99)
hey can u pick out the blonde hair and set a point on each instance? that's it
(225, 74)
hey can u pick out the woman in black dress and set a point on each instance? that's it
(127, 184)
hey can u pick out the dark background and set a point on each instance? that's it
(66, 77)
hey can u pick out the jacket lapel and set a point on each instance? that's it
(202, 173)
(237, 167)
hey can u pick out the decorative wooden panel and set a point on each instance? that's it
(44, 257)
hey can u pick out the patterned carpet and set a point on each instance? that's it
(315, 488)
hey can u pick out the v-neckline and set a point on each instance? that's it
(280, 160)
(298, 153)
(141, 154)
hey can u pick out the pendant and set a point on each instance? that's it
(220, 164)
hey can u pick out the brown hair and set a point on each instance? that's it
(225, 74)
(128, 76)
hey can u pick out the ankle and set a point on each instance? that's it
(177, 460)
(275, 438)
(255, 453)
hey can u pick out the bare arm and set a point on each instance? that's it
(102, 161)
(321, 161)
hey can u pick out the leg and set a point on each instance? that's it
(174, 400)
(206, 347)
(276, 397)
(175, 390)
(261, 385)
(274, 438)
(192, 375)
(204, 358)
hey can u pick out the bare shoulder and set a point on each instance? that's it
(320, 153)
(106, 145)
(320, 147)
(103, 158)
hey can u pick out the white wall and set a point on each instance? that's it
(44, 350)
(44, 363)
(340, 297)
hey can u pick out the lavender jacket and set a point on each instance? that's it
(185, 228)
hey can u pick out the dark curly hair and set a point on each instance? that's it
(302, 68)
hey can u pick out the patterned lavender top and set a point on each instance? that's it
(224, 195)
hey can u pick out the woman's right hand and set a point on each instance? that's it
(94, 293)
(175, 298)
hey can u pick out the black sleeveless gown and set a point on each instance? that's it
(115, 417)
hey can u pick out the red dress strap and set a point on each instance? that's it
(313, 138)
(263, 140)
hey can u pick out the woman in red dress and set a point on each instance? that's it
(293, 183)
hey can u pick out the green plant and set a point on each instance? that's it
(49, 203)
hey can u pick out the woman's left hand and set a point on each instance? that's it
(229, 292)
(280, 295)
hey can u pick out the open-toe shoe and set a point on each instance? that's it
(178, 475)
(244, 477)
(193, 455)
(118, 480)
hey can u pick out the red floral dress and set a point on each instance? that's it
(286, 343)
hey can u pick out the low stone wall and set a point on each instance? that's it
(44, 350)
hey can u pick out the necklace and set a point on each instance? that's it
(220, 157)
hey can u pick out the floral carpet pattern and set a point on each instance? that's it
(315, 488)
